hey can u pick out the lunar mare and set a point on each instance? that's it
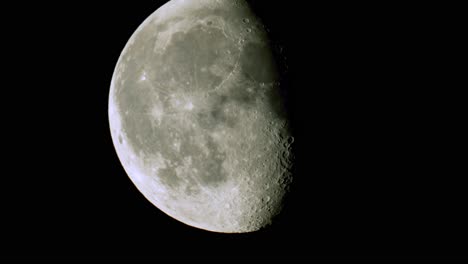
(197, 119)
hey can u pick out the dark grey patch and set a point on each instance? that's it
(215, 115)
(188, 147)
(169, 176)
(210, 166)
(185, 57)
(258, 63)
(211, 171)
(120, 139)
(205, 120)
(221, 99)
(259, 66)
(189, 190)
(241, 95)
(276, 102)
(221, 118)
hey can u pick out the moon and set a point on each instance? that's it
(197, 118)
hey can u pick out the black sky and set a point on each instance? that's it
(376, 117)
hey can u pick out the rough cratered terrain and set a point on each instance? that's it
(197, 119)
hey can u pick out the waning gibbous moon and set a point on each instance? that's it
(197, 119)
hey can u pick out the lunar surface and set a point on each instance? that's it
(197, 117)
